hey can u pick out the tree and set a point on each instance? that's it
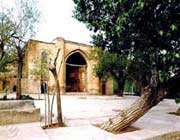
(110, 65)
(53, 69)
(42, 67)
(145, 32)
(40, 71)
(17, 26)
(7, 55)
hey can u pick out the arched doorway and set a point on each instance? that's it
(76, 71)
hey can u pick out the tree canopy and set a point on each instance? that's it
(17, 25)
(146, 32)
(17, 22)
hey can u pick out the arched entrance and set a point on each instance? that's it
(76, 71)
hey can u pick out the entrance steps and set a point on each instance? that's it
(77, 93)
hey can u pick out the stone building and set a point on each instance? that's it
(75, 68)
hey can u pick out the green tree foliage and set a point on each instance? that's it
(146, 32)
(17, 26)
(5, 50)
(7, 61)
(110, 65)
(17, 23)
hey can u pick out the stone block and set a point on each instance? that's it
(18, 111)
(15, 104)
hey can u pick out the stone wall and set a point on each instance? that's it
(18, 111)
(34, 50)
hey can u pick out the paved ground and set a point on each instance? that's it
(82, 111)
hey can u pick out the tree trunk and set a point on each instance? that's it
(151, 96)
(139, 90)
(58, 98)
(125, 118)
(52, 104)
(19, 76)
(120, 90)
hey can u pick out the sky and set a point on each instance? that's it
(57, 21)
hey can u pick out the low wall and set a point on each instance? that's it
(18, 111)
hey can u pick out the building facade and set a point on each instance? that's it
(74, 67)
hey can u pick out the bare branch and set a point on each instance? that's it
(19, 38)
(53, 67)
(55, 60)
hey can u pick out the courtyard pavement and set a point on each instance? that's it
(82, 112)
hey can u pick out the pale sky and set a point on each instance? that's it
(57, 21)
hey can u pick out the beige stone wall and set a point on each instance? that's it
(109, 87)
(34, 50)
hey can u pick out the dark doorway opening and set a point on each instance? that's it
(44, 87)
(103, 88)
(14, 88)
(76, 69)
